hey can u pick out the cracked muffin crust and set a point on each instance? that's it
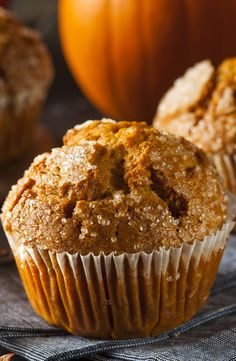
(201, 106)
(122, 187)
(25, 75)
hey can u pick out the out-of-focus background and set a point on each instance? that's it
(126, 54)
(123, 55)
(65, 105)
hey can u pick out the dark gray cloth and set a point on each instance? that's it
(210, 335)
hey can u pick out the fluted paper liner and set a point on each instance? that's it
(121, 296)
(226, 167)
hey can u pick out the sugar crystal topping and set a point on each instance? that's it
(201, 107)
(188, 89)
(72, 163)
(139, 190)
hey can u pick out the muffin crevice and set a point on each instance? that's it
(129, 191)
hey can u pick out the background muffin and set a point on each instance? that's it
(201, 107)
(116, 211)
(26, 73)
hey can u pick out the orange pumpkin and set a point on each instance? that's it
(126, 53)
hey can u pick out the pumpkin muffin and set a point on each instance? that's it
(26, 72)
(201, 107)
(118, 233)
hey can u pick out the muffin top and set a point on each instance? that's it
(26, 68)
(122, 187)
(201, 106)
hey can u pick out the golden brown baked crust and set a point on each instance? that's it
(122, 187)
(25, 75)
(201, 107)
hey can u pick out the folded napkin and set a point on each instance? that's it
(210, 335)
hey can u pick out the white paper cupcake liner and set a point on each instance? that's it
(121, 296)
(226, 167)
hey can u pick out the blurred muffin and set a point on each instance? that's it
(104, 230)
(201, 106)
(25, 75)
